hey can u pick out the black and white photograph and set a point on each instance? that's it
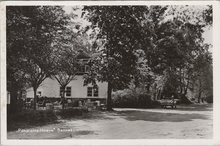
(104, 72)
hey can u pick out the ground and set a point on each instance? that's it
(185, 122)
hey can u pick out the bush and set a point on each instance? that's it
(132, 99)
(209, 99)
(183, 100)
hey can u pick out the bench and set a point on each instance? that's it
(168, 102)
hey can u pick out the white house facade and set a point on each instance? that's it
(75, 89)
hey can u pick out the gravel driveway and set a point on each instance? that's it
(185, 122)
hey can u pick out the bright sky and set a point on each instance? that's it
(207, 35)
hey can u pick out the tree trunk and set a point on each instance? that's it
(109, 97)
(181, 86)
(159, 94)
(148, 88)
(63, 97)
(63, 101)
(186, 88)
(200, 90)
(35, 98)
(199, 97)
(13, 101)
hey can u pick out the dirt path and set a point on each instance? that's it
(187, 122)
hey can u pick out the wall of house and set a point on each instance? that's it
(51, 88)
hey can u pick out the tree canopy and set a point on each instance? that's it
(144, 45)
(30, 33)
(170, 36)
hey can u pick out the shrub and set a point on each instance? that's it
(183, 100)
(132, 99)
(209, 99)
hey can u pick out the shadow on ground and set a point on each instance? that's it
(133, 115)
(95, 115)
(159, 117)
(195, 107)
(178, 116)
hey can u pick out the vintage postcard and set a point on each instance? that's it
(110, 72)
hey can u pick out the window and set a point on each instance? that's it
(61, 91)
(86, 68)
(39, 93)
(82, 69)
(96, 92)
(89, 91)
(93, 91)
(68, 91)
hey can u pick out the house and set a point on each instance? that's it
(75, 89)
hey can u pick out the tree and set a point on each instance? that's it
(36, 71)
(66, 69)
(208, 15)
(118, 36)
(177, 42)
(149, 69)
(30, 33)
(66, 64)
(202, 75)
(170, 36)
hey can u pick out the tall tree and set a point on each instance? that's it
(177, 42)
(65, 71)
(36, 71)
(118, 36)
(202, 76)
(66, 64)
(30, 33)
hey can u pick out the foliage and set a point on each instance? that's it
(157, 47)
(133, 99)
(65, 58)
(118, 36)
(170, 37)
(30, 32)
(208, 15)
(203, 77)
(177, 43)
(67, 49)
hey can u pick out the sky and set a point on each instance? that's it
(207, 35)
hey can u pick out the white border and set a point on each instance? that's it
(116, 2)
(216, 70)
(216, 79)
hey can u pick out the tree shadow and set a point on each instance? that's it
(159, 117)
(133, 115)
(195, 107)
(94, 115)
